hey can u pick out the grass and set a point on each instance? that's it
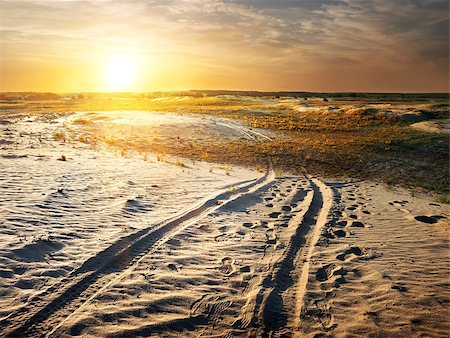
(180, 163)
(59, 136)
(443, 198)
(346, 136)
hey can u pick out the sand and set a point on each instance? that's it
(381, 267)
(440, 126)
(105, 245)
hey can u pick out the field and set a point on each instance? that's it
(224, 214)
(367, 136)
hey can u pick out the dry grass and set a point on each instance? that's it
(343, 137)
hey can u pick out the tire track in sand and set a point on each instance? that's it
(277, 306)
(43, 318)
(282, 307)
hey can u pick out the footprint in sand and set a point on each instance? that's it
(340, 233)
(261, 224)
(357, 224)
(399, 288)
(227, 266)
(240, 233)
(428, 219)
(341, 224)
(209, 306)
(172, 267)
(354, 250)
(328, 234)
(286, 208)
(274, 214)
(331, 233)
(271, 236)
(325, 318)
(245, 269)
(325, 272)
(223, 228)
(204, 227)
(174, 242)
(398, 203)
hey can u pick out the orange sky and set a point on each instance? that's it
(310, 45)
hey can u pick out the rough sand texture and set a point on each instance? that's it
(110, 246)
(381, 267)
(282, 260)
(57, 216)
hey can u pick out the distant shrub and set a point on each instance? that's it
(59, 135)
(82, 121)
(180, 163)
(443, 198)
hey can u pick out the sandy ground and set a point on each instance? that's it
(440, 126)
(103, 245)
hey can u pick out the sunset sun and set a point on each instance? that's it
(120, 73)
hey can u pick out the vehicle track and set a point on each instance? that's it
(38, 318)
(275, 309)
(282, 306)
(108, 266)
(249, 133)
(280, 290)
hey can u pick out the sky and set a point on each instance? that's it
(267, 45)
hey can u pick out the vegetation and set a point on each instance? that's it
(353, 135)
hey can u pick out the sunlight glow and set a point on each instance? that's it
(121, 73)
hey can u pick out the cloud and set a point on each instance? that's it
(277, 39)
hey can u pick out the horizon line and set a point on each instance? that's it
(228, 90)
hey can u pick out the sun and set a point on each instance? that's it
(120, 73)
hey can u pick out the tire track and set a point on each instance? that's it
(288, 287)
(277, 305)
(322, 216)
(102, 270)
(251, 134)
